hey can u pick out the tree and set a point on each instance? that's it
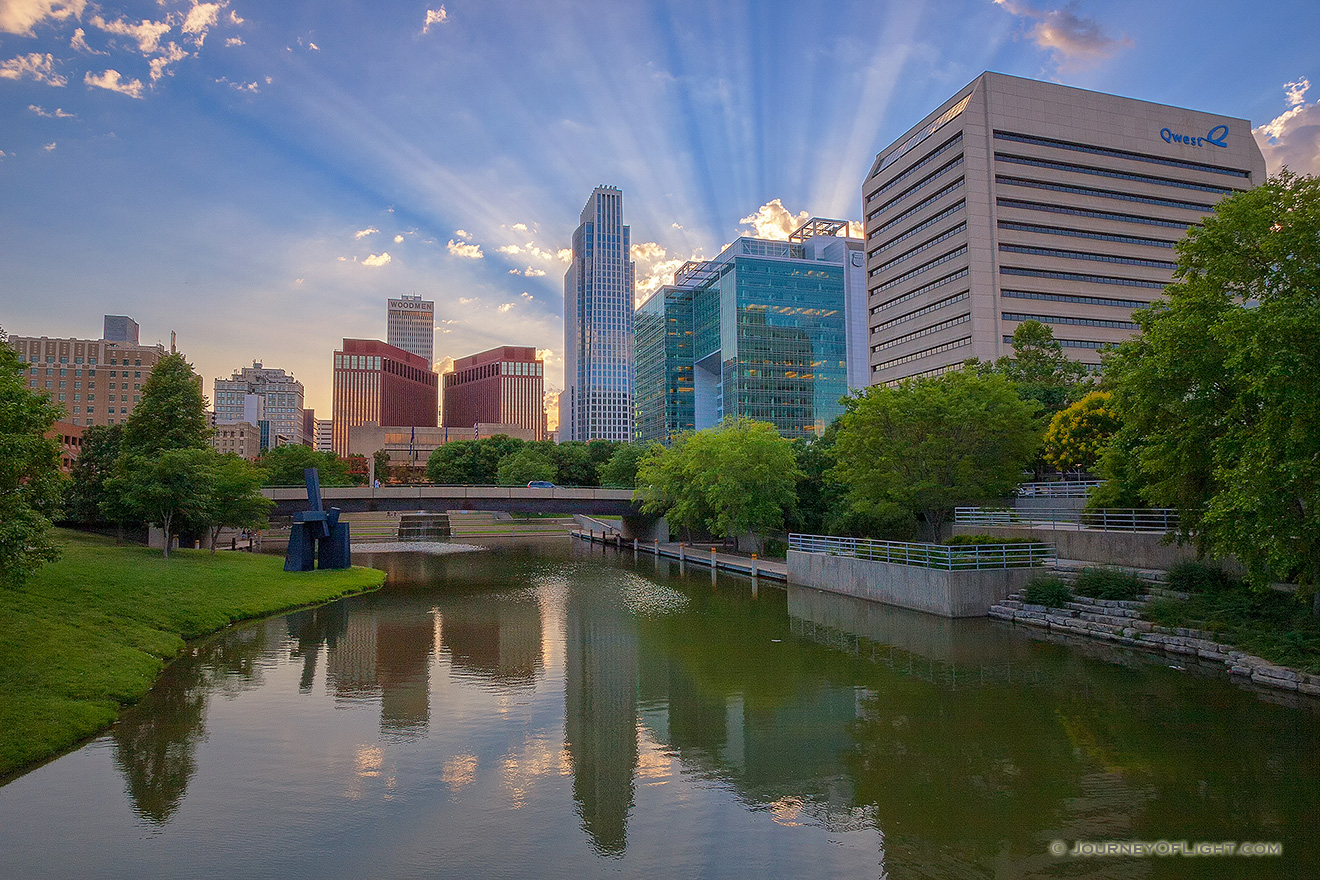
(928, 444)
(730, 480)
(1078, 435)
(524, 466)
(620, 472)
(171, 485)
(284, 466)
(30, 480)
(1220, 388)
(1039, 369)
(172, 412)
(381, 459)
(573, 464)
(235, 498)
(90, 501)
(470, 462)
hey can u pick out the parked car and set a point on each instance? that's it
(540, 484)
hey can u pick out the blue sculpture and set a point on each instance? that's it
(317, 533)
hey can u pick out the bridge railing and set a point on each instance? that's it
(956, 557)
(1109, 519)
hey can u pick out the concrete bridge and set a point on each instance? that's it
(592, 502)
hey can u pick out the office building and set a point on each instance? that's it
(70, 437)
(597, 401)
(1019, 200)
(259, 394)
(411, 325)
(324, 435)
(761, 332)
(120, 328)
(504, 385)
(243, 439)
(378, 382)
(95, 381)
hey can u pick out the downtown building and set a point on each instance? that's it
(768, 330)
(95, 381)
(1019, 200)
(410, 325)
(597, 401)
(270, 399)
(380, 383)
(504, 386)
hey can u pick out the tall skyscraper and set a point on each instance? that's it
(597, 401)
(1018, 200)
(381, 383)
(255, 394)
(411, 325)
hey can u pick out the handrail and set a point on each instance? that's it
(1108, 519)
(956, 557)
(1061, 489)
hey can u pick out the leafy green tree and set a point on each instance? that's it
(169, 486)
(470, 462)
(620, 472)
(381, 459)
(284, 466)
(524, 466)
(1039, 369)
(97, 458)
(235, 499)
(573, 464)
(730, 480)
(1220, 388)
(172, 412)
(929, 444)
(1078, 434)
(31, 485)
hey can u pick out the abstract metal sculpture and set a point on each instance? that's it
(317, 534)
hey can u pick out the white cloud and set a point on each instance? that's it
(234, 19)
(200, 18)
(463, 234)
(57, 113)
(112, 81)
(434, 16)
(313, 46)
(565, 255)
(363, 233)
(467, 251)
(3, 154)
(533, 273)
(18, 16)
(251, 87)
(519, 227)
(398, 239)
(147, 34)
(1293, 137)
(504, 307)
(467, 301)
(856, 229)
(33, 66)
(377, 260)
(79, 42)
(773, 221)
(170, 54)
(527, 296)
(1072, 39)
(299, 281)
(655, 267)
(510, 249)
(234, 41)
(49, 147)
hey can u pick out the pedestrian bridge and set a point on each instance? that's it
(357, 499)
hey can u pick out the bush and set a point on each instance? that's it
(1049, 591)
(775, 548)
(978, 540)
(1108, 583)
(1197, 577)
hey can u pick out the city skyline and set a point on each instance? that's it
(246, 178)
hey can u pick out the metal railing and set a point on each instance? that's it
(1108, 519)
(1060, 489)
(957, 557)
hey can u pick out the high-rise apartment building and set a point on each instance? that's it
(95, 381)
(378, 382)
(257, 393)
(505, 385)
(325, 435)
(1019, 200)
(411, 325)
(597, 401)
(762, 332)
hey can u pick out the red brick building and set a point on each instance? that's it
(70, 437)
(377, 382)
(505, 385)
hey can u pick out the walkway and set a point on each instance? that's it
(686, 554)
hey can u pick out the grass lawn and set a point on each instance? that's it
(1270, 624)
(89, 633)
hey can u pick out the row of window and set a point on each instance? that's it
(1086, 255)
(921, 163)
(1101, 193)
(1082, 233)
(926, 131)
(925, 224)
(1081, 276)
(918, 355)
(915, 209)
(1073, 343)
(930, 243)
(1078, 300)
(924, 331)
(50, 359)
(1106, 172)
(924, 267)
(1080, 322)
(1093, 214)
(1116, 154)
(925, 310)
(921, 184)
(925, 288)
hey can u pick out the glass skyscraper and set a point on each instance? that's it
(597, 402)
(768, 324)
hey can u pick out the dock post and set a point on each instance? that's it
(714, 566)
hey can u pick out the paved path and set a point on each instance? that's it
(766, 568)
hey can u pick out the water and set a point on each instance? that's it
(549, 709)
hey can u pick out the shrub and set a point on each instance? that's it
(975, 540)
(1049, 591)
(1108, 583)
(1197, 577)
(775, 548)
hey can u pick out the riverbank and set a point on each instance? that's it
(89, 634)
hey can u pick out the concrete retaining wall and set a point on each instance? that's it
(932, 590)
(1130, 549)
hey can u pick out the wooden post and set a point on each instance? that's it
(714, 566)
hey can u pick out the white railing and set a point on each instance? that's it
(957, 557)
(1109, 519)
(1062, 489)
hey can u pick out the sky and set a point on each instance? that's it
(260, 177)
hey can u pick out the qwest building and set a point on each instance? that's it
(1021, 200)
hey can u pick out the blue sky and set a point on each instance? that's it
(261, 176)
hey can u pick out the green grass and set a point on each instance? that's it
(1270, 624)
(88, 634)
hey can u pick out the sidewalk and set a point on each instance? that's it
(760, 568)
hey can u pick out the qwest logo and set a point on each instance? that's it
(1217, 136)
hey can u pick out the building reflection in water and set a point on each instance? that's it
(600, 702)
(494, 638)
(384, 652)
